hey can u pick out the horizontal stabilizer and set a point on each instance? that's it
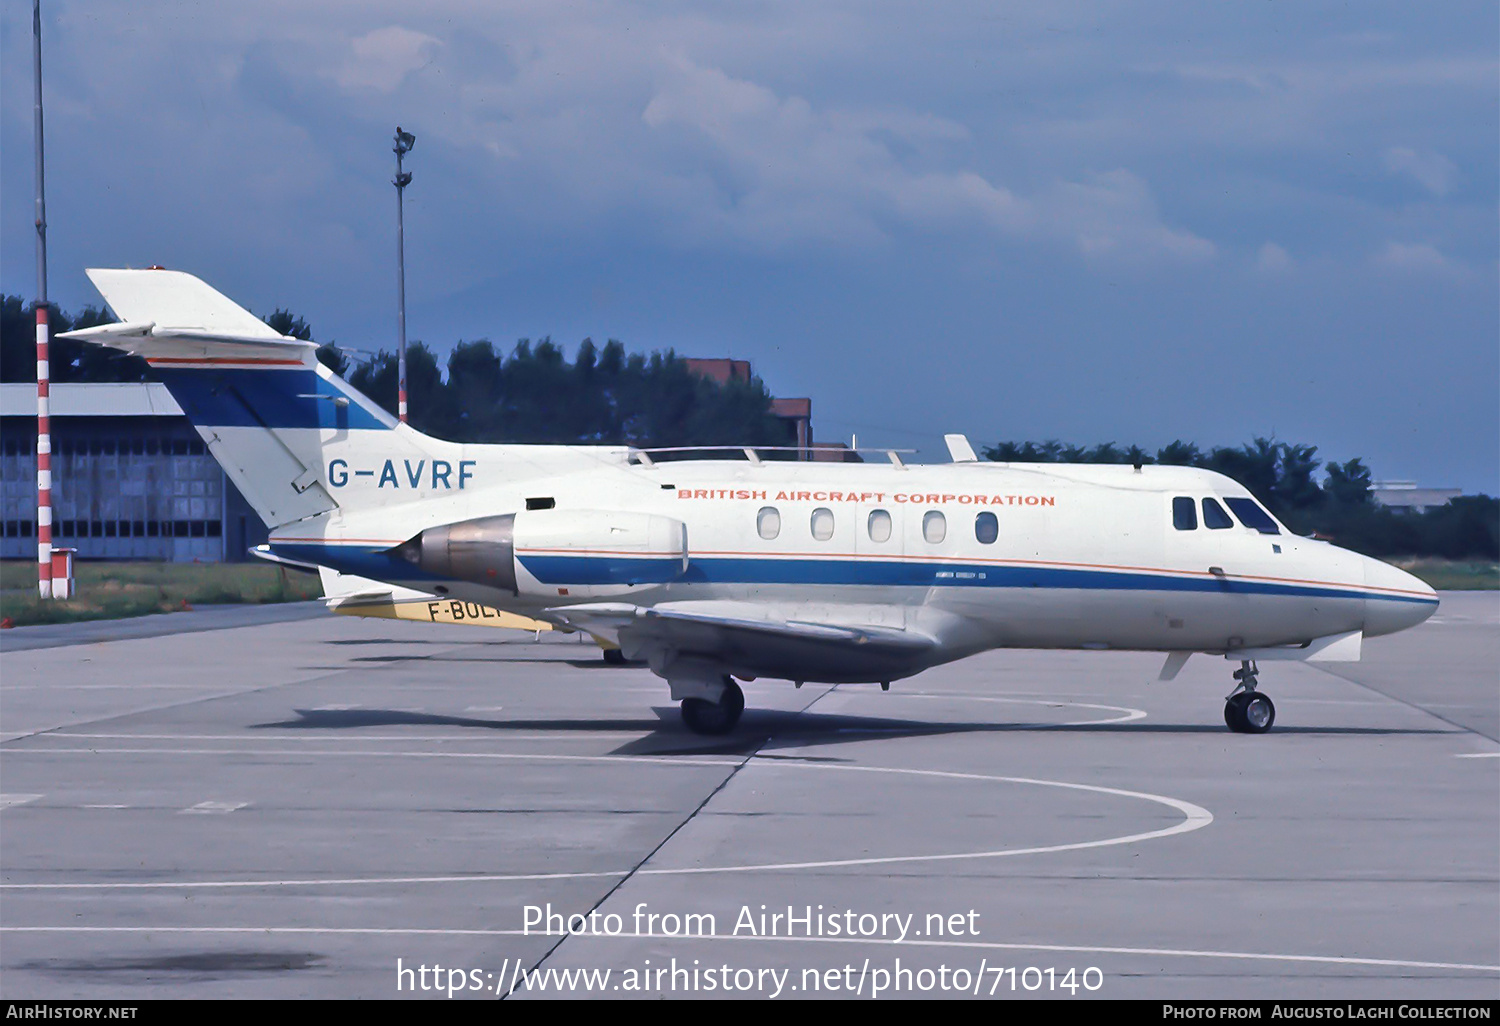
(175, 298)
(174, 318)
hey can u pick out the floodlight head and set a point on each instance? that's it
(404, 140)
(402, 180)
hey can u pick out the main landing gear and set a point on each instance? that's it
(1246, 710)
(705, 717)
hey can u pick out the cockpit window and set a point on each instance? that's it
(1184, 514)
(1214, 517)
(1251, 515)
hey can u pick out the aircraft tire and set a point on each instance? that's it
(1249, 712)
(614, 657)
(705, 717)
(1234, 715)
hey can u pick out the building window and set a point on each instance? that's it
(1184, 514)
(934, 527)
(768, 522)
(879, 526)
(822, 523)
(986, 528)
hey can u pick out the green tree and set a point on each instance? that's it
(69, 360)
(329, 354)
(1180, 454)
(427, 405)
(1348, 484)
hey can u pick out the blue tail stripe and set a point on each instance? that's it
(265, 398)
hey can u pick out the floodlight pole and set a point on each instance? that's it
(43, 370)
(404, 142)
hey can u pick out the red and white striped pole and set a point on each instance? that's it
(43, 371)
(43, 459)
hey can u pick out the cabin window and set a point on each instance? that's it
(768, 522)
(1184, 514)
(879, 525)
(934, 527)
(1251, 515)
(986, 528)
(822, 523)
(1214, 517)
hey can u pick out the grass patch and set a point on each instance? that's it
(1454, 574)
(109, 590)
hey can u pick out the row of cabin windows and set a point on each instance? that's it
(1185, 515)
(878, 525)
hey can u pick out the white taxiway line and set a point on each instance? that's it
(7, 800)
(449, 738)
(214, 808)
(1479, 755)
(1077, 949)
(1127, 713)
(1195, 817)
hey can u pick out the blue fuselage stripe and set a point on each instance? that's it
(582, 570)
(380, 564)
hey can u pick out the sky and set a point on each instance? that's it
(1127, 222)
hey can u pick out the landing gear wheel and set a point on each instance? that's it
(1249, 712)
(614, 657)
(1259, 713)
(705, 717)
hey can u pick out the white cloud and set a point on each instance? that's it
(780, 170)
(1433, 171)
(381, 60)
(1272, 257)
(1417, 256)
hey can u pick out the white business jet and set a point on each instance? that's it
(712, 569)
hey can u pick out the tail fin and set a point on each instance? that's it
(285, 429)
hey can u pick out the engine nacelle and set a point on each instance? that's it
(594, 553)
(577, 553)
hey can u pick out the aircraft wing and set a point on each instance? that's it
(751, 645)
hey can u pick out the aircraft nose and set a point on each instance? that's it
(1395, 600)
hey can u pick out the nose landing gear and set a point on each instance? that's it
(1246, 710)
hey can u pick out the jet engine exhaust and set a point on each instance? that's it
(482, 551)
